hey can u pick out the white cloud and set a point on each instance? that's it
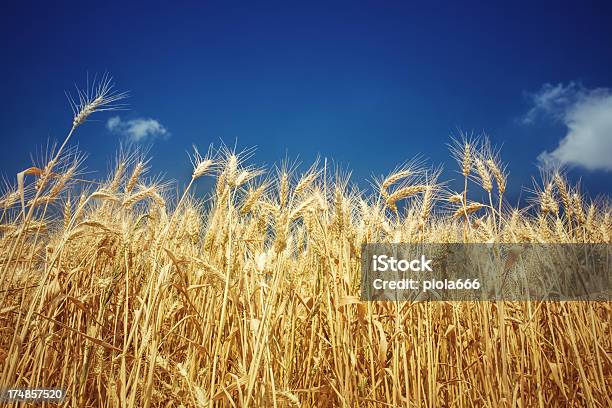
(137, 130)
(587, 115)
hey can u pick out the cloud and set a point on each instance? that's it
(137, 130)
(587, 116)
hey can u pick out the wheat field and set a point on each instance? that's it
(127, 294)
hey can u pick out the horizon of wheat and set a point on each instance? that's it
(126, 295)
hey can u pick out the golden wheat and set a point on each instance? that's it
(132, 298)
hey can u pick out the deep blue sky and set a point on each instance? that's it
(369, 84)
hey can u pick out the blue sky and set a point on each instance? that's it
(367, 84)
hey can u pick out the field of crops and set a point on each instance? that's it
(127, 295)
